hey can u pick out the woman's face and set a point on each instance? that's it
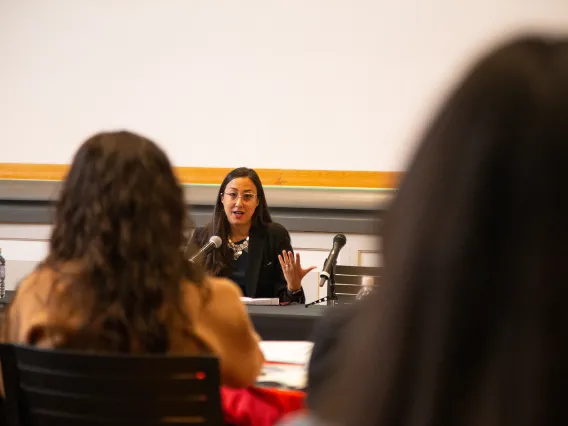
(240, 200)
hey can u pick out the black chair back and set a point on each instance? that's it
(348, 281)
(54, 387)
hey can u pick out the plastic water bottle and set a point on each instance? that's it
(2, 276)
(368, 283)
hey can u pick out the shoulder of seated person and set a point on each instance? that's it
(223, 287)
(198, 233)
(223, 300)
(42, 277)
(35, 288)
(276, 229)
(203, 231)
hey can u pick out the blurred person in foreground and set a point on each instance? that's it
(115, 278)
(470, 322)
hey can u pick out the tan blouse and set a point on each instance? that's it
(219, 320)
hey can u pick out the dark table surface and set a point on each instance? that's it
(297, 311)
(292, 322)
(8, 297)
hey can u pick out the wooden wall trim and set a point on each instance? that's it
(204, 175)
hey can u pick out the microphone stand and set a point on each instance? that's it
(331, 297)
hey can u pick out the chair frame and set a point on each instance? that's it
(34, 377)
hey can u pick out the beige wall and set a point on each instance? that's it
(262, 83)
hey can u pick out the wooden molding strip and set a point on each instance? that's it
(204, 175)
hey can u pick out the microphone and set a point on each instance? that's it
(214, 243)
(338, 242)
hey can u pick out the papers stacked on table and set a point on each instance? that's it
(287, 352)
(286, 364)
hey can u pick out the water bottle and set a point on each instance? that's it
(367, 283)
(2, 276)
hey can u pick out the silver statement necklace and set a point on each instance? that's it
(238, 248)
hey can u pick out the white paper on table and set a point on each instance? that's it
(288, 352)
(288, 376)
(260, 301)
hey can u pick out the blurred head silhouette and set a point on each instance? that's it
(121, 218)
(469, 326)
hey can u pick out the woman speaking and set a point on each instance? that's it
(256, 253)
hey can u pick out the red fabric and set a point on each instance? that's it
(259, 406)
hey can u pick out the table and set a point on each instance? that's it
(291, 322)
(9, 296)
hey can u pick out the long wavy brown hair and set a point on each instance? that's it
(121, 217)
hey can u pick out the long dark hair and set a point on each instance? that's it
(469, 326)
(220, 260)
(121, 218)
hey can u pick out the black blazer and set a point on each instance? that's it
(264, 276)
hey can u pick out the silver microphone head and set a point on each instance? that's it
(216, 240)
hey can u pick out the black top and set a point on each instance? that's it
(264, 276)
(239, 271)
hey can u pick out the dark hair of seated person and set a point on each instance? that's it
(121, 217)
(469, 324)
